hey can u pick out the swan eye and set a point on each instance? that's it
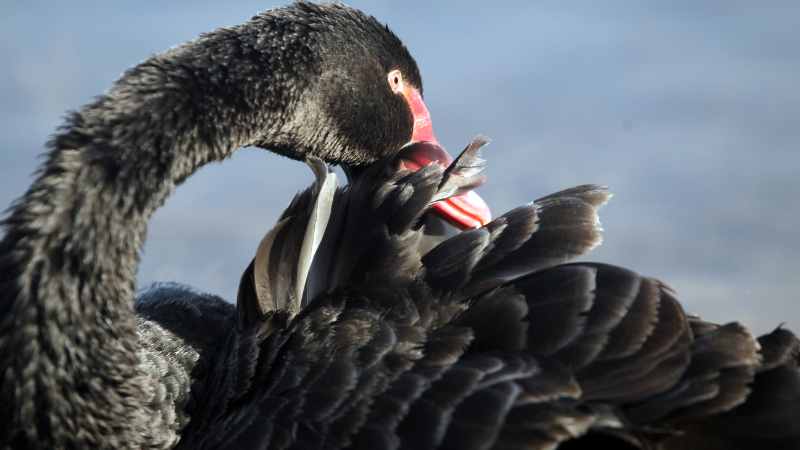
(396, 81)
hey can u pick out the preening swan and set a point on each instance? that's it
(304, 80)
(356, 326)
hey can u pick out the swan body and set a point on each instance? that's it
(492, 338)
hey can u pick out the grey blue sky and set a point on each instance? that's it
(688, 110)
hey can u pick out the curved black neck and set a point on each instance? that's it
(70, 252)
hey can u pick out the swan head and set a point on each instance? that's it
(341, 79)
(356, 98)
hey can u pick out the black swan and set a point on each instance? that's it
(344, 336)
(305, 80)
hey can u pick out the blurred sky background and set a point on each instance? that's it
(688, 110)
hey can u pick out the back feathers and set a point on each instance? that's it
(361, 327)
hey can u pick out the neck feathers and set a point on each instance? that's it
(70, 251)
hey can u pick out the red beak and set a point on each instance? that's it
(464, 211)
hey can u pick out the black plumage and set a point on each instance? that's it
(495, 339)
(79, 367)
(358, 325)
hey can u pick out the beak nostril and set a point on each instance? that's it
(423, 126)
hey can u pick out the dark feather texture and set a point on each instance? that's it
(493, 339)
(78, 369)
(359, 324)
